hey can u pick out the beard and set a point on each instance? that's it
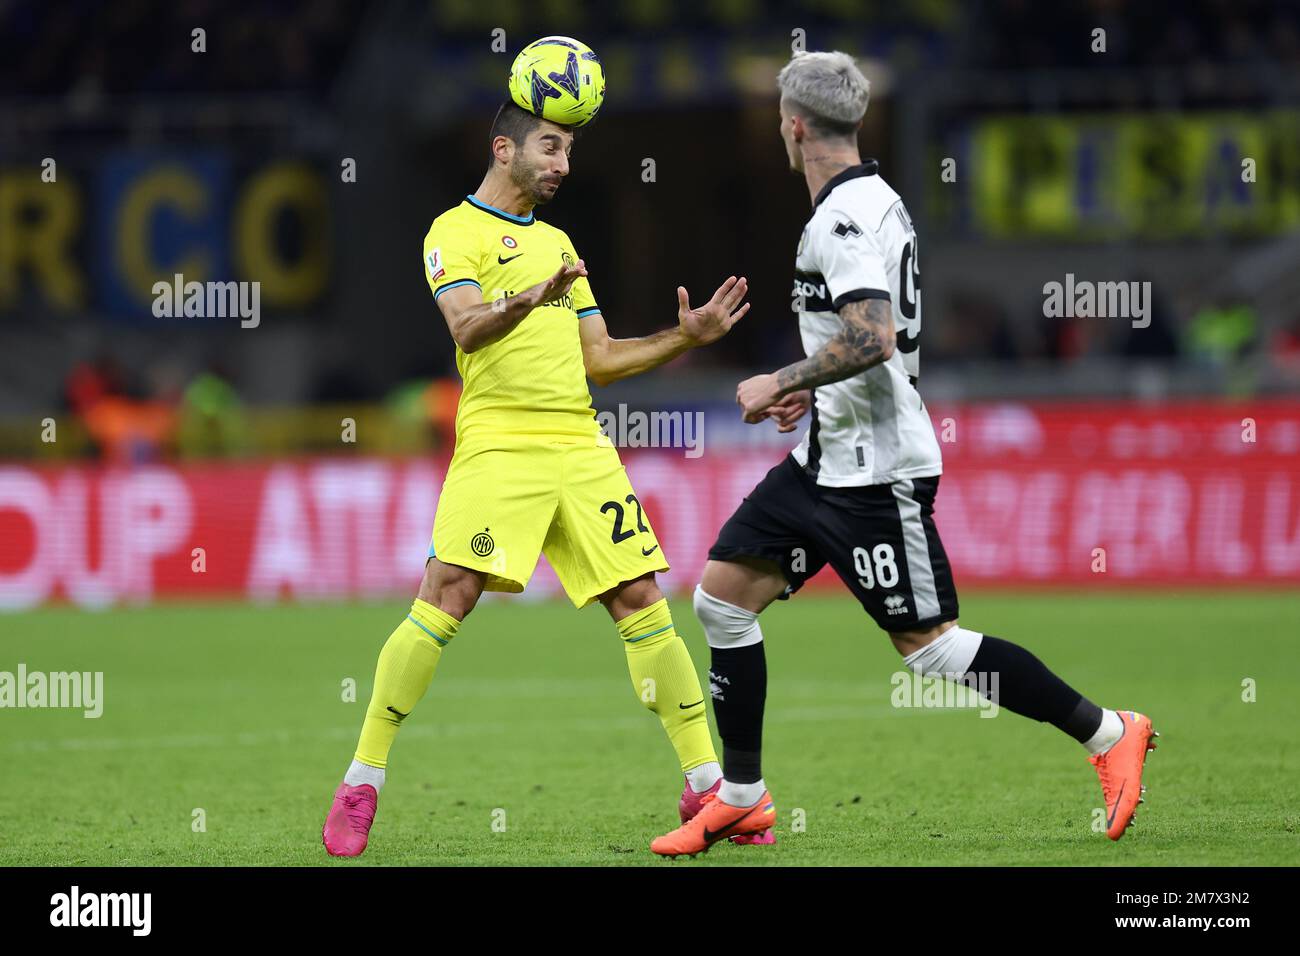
(529, 181)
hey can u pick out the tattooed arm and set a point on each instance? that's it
(865, 338)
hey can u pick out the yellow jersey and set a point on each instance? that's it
(532, 382)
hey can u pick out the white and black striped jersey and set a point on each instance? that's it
(873, 428)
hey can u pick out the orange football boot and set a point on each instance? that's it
(1120, 771)
(716, 821)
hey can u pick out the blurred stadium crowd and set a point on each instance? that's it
(298, 45)
(78, 47)
(286, 90)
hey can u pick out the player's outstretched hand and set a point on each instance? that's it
(558, 285)
(715, 318)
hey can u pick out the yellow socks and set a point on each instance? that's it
(664, 677)
(406, 666)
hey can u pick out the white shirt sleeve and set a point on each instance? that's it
(850, 259)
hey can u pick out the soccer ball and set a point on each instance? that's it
(559, 79)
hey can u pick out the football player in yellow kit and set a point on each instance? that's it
(532, 473)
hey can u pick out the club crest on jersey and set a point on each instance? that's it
(482, 544)
(566, 258)
(434, 263)
(508, 242)
(844, 228)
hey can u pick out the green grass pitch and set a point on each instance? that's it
(237, 710)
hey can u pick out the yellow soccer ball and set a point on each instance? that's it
(559, 79)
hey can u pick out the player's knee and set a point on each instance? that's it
(632, 596)
(458, 599)
(453, 590)
(948, 655)
(725, 625)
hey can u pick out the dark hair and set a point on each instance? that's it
(516, 123)
(513, 122)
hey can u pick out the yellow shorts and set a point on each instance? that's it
(502, 505)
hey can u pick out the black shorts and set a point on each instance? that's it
(880, 539)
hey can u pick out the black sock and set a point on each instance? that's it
(738, 681)
(1026, 687)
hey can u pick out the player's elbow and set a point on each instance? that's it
(598, 368)
(600, 376)
(466, 338)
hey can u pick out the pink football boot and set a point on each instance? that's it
(347, 827)
(692, 802)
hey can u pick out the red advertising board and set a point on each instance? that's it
(1204, 495)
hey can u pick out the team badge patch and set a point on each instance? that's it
(434, 263)
(482, 544)
(508, 242)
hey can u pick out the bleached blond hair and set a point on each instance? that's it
(827, 90)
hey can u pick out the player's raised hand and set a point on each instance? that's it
(558, 285)
(715, 318)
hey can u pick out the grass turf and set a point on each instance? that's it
(237, 710)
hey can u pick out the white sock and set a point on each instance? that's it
(360, 773)
(1107, 735)
(704, 776)
(741, 794)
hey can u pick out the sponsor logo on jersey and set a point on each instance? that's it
(434, 262)
(844, 228)
(810, 295)
(895, 604)
(809, 290)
